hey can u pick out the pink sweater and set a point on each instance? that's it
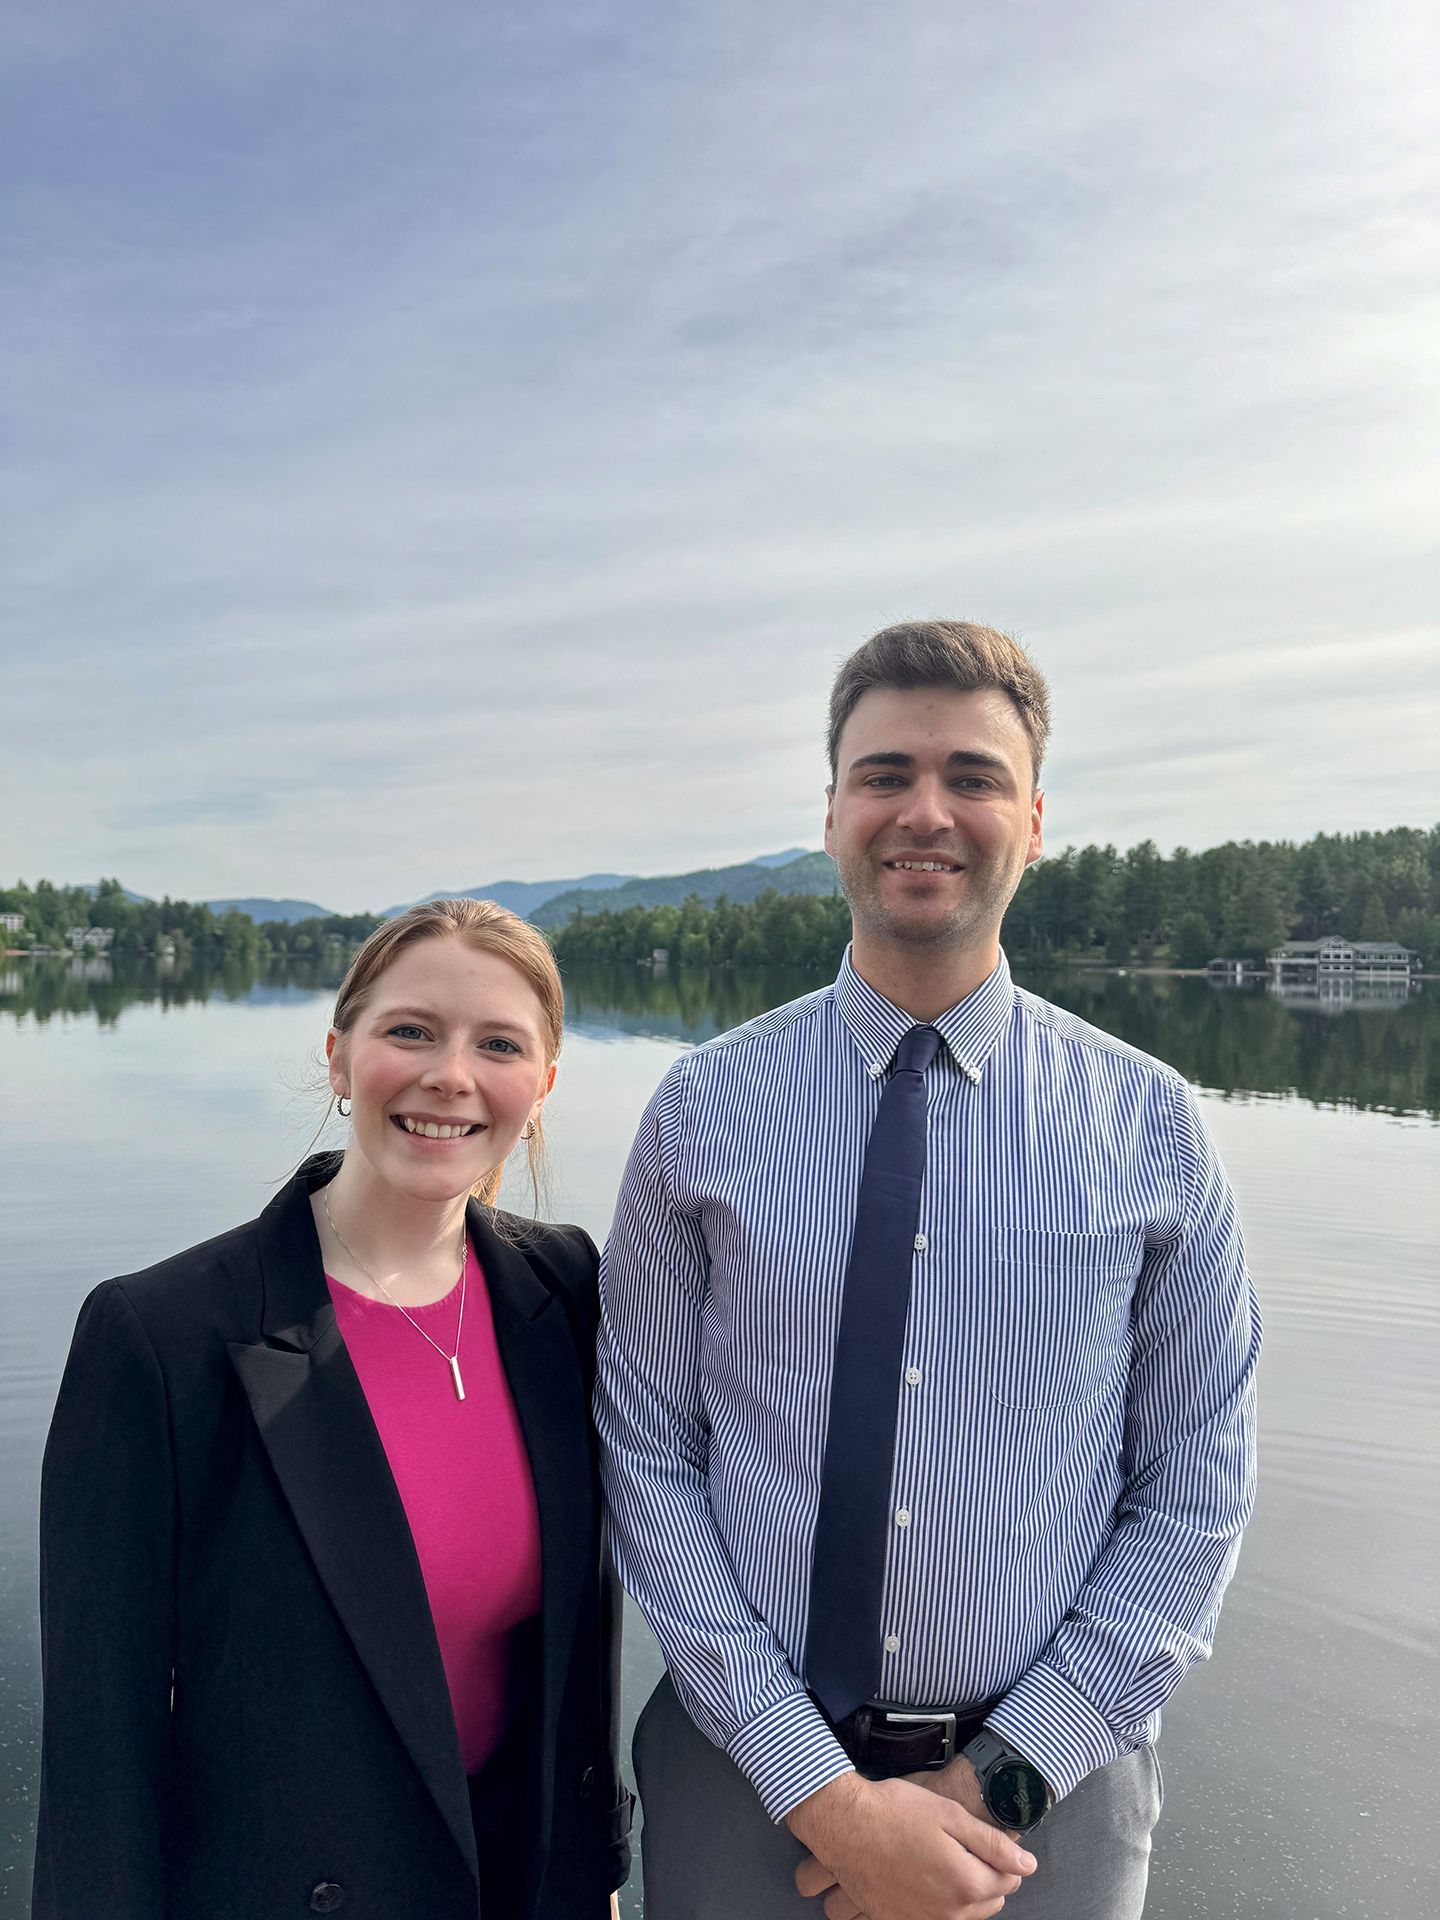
(464, 1477)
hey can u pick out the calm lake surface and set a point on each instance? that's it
(141, 1115)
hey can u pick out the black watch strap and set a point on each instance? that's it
(1000, 1768)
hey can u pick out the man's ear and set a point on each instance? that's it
(1037, 837)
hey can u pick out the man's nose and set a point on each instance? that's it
(927, 808)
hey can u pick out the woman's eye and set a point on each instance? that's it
(407, 1033)
(495, 1044)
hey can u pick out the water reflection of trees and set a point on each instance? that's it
(684, 1003)
(1252, 1042)
(44, 990)
(1240, 1042)
(1234, 1042)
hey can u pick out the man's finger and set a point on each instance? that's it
(812, 1878)
(988, 1843)
(839, 1906)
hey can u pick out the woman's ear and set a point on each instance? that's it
(548, 1083)
(335, 1056)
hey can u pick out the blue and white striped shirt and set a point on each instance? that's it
(1074, 1460)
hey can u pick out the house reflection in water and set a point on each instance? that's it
(1342, 992)
(1335, 974)
(1332, 975)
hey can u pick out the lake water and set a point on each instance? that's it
(139, 1116)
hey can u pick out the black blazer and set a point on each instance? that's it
(246, 1714)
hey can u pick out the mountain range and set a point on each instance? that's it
(802, 873)
(259, 910)
(550, 903)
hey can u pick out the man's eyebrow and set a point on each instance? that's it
(962, 757)
(973, 757)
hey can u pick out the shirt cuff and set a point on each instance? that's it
(787, 1753)
(1055, 1727)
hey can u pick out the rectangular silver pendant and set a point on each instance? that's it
(455, 1373)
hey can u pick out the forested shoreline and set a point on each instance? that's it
(1140, 908)
(186, 929)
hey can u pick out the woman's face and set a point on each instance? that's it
(445, 1064)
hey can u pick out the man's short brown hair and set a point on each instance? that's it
(944, 653)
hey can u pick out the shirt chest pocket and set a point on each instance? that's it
(1060, 1314)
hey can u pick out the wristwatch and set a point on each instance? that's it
(1016, 1793)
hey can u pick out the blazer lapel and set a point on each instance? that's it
(313, 1419)
(537, 1350)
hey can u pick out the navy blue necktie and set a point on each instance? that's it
(842, 1645)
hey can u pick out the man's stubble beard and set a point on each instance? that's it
(975, 917)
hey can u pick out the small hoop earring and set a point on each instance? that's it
(529, 1133)
(341, 1108)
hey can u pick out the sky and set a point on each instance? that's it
(460, 443)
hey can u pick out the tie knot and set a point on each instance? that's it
(917, 1050)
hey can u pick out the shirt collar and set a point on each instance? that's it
(969, 1029)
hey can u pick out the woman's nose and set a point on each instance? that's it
(451, 1069)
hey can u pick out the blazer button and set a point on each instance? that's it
(587, 1783)
(326, 1897)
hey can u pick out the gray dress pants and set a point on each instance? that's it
(712, 1853)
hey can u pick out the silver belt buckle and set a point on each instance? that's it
(945, 1720)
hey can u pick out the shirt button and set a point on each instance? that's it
(876, 1072)
(921, 1243)
(913, 1376)
(892, 1643)
(327, 1897)
(902, 1518)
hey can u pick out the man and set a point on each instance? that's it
(926, 1379)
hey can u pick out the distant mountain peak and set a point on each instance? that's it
(261, 909)
(780, 859)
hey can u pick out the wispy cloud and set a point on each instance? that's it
(460, 447)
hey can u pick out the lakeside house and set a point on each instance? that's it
(1335, 957)
(89, 939)
(11, 922)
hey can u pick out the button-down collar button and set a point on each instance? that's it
(892, 1643)
(326, 1897)
(921, 1243)
(913, 1376)
(902, 1518)
(875, 1070)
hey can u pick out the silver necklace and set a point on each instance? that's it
(452, 1360)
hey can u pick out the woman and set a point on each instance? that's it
(327, 1623)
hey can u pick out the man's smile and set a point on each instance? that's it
(930, 864)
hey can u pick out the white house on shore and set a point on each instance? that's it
(1335, 957)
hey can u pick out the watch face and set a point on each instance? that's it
(1015, 1793)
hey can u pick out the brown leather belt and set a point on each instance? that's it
(884, 1740)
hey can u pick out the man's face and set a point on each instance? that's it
(932, 818)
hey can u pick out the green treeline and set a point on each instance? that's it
(185, 928)
(1137, 908)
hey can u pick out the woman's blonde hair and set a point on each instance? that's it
(489, 928)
